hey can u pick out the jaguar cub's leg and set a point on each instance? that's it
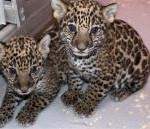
(126, 89)
(97, 90)
(75, 83)
(120, 94)
(7, 108)
(36, 103)
(70, 97)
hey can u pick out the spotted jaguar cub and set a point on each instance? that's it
(104, 53)
(29, 76)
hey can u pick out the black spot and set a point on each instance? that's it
(136, 48)
(90, 67)
(137, 58)
(106, 78)
(119, 56)
(15, 54)
(14, 62)
(75, 19)
(144, 52)
(132, 34)
(136, 40)
(128, 61)
(123, 45)
(144, 63)
(106, 86)
(125, 35)
(21, 46)
(101, 90)
(52, 34)
(118, 36)
(94, 65)
(91, 13)
(99, 95)
(137, 72)
(130, 45)
(132, 84)
(131, 69)
(100, 83)
(123, 75)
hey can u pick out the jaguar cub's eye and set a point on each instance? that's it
(12, 71)
(34, 69)
(94, 30)
(72, 27)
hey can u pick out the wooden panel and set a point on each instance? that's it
(34, 5)
(35, 23)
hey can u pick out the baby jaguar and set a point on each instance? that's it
(29, 76)
(106, 55)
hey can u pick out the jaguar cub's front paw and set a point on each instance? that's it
(26, 118)
(83, 108)
(5, 117)
(69, 97)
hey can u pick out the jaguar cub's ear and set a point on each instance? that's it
(110, 11)
(44, 45)
(2, 50)
(59, 9)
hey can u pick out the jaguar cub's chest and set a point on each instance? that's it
(84, 67)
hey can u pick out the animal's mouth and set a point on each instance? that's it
(85, 53)
(80, 54)
(24, 93)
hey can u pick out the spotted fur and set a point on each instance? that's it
(104, 53)
(29, 76)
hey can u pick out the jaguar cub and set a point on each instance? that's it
(29, 76)
(105, 53)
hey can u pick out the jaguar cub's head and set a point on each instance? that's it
(22, 62)
(83, 24)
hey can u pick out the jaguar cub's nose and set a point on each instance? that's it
(24, 89)
(81, 47)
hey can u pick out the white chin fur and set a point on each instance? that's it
(80, 54)
(76, 52)
(21, 93)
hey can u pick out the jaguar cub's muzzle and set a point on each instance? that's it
(24, 84)
(81, 44)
